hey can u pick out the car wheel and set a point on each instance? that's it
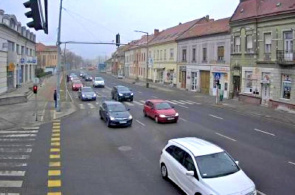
(108, 123)
(198, 193)
(176, 121)
(164, 171)
(157, 119)
(131, 100)
(100, 115)
(144, 114)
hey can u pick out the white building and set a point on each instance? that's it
(17, 53)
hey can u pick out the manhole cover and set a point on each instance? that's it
(125, 148)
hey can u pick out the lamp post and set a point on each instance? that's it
(147, 56)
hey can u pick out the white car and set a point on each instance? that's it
(199, 167)
(98, 82)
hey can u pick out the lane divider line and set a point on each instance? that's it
(259, 192)
(265, 132)
(182, 106)
(215, 116)
(140, 123)
(226, 137)
(292, 163)
(182, 119)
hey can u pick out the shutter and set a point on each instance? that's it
(249, 42)
(267, 39)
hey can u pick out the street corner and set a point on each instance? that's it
(67, 108)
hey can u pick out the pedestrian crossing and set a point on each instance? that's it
(180, 103)
(16, 147)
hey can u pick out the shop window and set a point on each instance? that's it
(237, 43)
(220, 52)
(248, 81)
(286, 86)
(249, 44)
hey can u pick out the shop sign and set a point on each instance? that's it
(11, 67)
(220, 69)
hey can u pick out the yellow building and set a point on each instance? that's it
(47, 56)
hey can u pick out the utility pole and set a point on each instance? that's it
(65, 71)
(58, 109)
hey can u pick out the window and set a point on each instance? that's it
(249, 45)
(170, 149)
(204, 54)
(194, 55)
(161, 55)
(184, 55)
(157, 54)
(171, 53)
(154, 55)
(17, 49)
(188, 163)
(178, 154)
(267, 41)
(288, 45)
(143, 56)
(11, 46)
(237, 48)
(22, 50)
(220, 52)
(27, 51)
(248, 81)
(286, 86)
(165, 54)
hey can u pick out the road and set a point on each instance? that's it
(96, 159)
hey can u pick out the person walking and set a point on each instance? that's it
(55, 99)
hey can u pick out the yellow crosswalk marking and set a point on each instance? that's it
(54, 124)
(54, 150)
(54, 183)
(55, 134)
(56, 131)
(53, 156)
(54, 193)
(53, 172)
(55, 144)
(55, 139)
(54, 164)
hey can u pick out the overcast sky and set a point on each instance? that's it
(101, 20)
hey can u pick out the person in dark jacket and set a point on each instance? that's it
(55, 98)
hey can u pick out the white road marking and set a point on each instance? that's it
(140, 122)
(177, 102)
(292, 163)
(19, 135)
(25, 150)
(14, 157)
(139, 92)
(155, 97)
(97, 103)
(12, 173)
(170, 102)
(82, 106)
(129, 104)
(11, 183)
(182, 119)
(16, 145)
(9, 193)
(108, 88)
(91, 105)
(259, 192)
(16, 140)
(70, 96)
(142, 101)
(30, 128)
(226, 137)
(264, 132)
(182, 106)
(138, 103)
(186, 102)
(215, 116)
(7, 132)
(13, 164)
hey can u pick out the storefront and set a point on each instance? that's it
(182, 76)
(221, 74)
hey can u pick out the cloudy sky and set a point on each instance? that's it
(101, 20)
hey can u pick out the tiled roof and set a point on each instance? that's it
(257, 8)
(42, 47)
(172, 33)
(142, 41)
(207, 28)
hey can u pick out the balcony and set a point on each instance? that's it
(286, 58)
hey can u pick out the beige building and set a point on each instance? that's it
(47, 57)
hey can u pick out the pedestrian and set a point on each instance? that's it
(55, 99)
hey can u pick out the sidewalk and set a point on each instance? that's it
(279, 115)
(24, 114)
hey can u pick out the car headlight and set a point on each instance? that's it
(112, 118)
(94, 95)
(120, 94)
(83, 95)
(176, 114)
(130, 117)
(131, 93)
(162, 115)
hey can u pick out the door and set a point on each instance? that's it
(194, 81)
(177, 167)
(265, 94)
(183, 79)
(288, 46)
(236, 82)
(147, 108)
(205, 82)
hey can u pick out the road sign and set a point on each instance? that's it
(217, 76)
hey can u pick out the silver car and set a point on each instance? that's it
(87, 93)
(98, 82)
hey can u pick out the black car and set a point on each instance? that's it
(88, 78)
(121, 93)
(115, 114)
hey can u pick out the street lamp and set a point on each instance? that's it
(147, 56)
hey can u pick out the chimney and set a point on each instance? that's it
(207, 17)
(156, 32)
(179, 23)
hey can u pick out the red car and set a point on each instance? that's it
(76, 85)
(160, 110)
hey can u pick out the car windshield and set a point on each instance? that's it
(216, 165)
(163, 106)
(116, 108)
(77, 82)
(98, 79)
(123, 89)
(87, 90)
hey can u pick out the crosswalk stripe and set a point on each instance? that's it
(142, 101)
(91, 106)
(177, 102)
(17, 140)
(9, 193)
(82, 106)
(185, 101)
(13, 164)
(19, 135)
(171, 102)
(7, 132)
(129, 104)
(26, 150)
(138, 103)
(16, 145)
(11, 184)
(30, 128)
(12, 173)
(14, 157)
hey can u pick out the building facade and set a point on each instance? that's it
(204, 57)
(262, 59)
(17, 53)
(47, 57)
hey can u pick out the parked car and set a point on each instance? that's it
(86, 93)
(76, 85)
(115, 114)
(98, 82)
(120, 76)
(200, 167)
(121, 93)
(88, 78)
(160, 110)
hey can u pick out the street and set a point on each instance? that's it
(96, 159)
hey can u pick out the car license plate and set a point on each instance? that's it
(123, 122)
(170, 118)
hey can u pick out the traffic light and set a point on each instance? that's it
(34, 14)
(118, 40)
(35, 89)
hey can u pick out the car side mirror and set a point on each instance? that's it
(190, 173)
(237, 162)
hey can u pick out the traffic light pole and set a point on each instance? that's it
(58, 109)
(36, 106)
